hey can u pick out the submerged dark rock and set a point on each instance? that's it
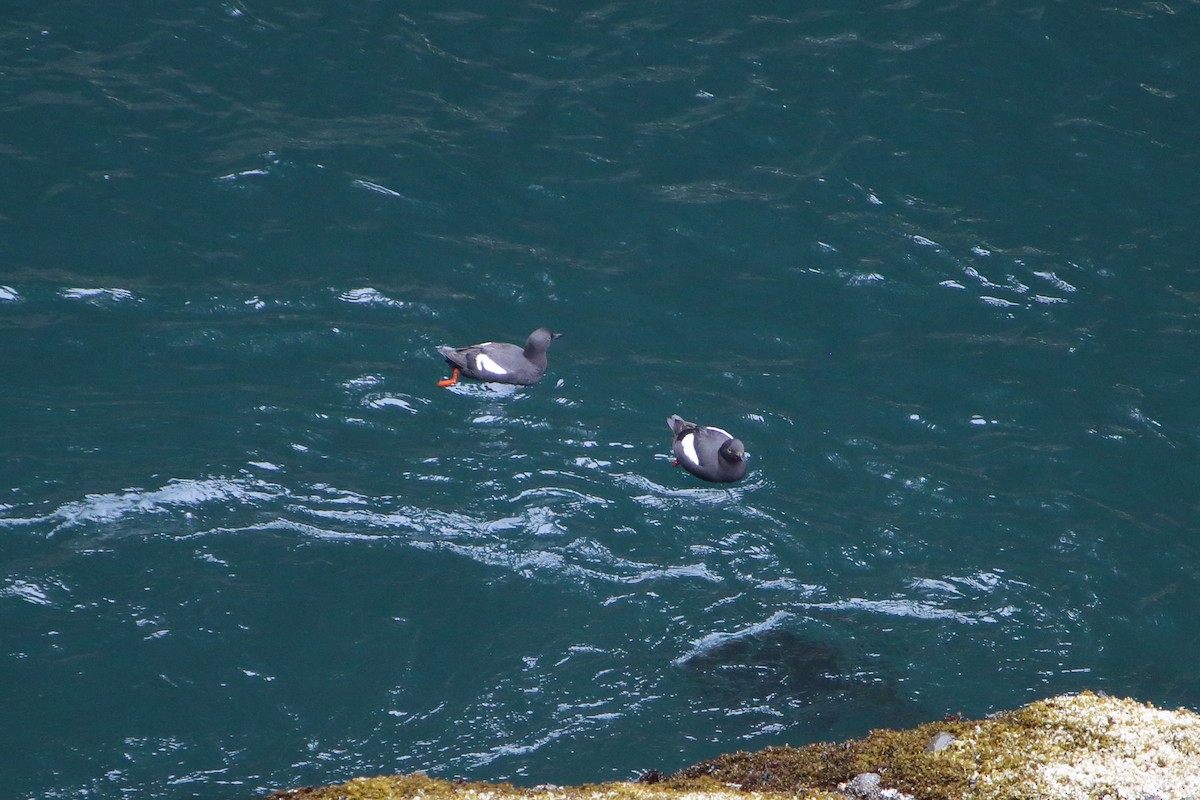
(790, 670)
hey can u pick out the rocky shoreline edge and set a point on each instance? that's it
(1069, 747)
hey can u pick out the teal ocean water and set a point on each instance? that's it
(935, 263)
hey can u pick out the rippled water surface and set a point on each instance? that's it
(934, 263)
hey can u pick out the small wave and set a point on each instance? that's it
(998, 302)
(181, 497)
(29, 591)
(9, 295)
(287, 525)
(245, 173)
(488, 391)
(658, 496)
(915, 609)
(377, 188)
(560, 492)
(363, 382)
(394, 401)
(99, 296)
(713, 641)
(1056, 282)
(370, 296)
(537, 536)
(405, 521)
(554, 565)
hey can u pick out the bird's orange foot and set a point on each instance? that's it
(453, 379)
(675, 463)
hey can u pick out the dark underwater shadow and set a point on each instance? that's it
(816, 688)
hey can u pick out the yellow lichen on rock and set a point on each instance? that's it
(1082, 747)
(1144, 752)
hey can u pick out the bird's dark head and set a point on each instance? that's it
(539, 341)
(733, 450)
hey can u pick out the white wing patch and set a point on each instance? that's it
(688, 443)
(721, 431)
(484, 363)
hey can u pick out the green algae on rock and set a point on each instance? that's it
(1064, 748)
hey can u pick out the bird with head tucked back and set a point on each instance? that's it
(709, 453)
(500, 362)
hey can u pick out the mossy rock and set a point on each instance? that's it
(414, 787)
(1079, 747)
(898, 757)
(1066, 748)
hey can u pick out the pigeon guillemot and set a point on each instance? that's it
(499, 362)
(708, 453)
